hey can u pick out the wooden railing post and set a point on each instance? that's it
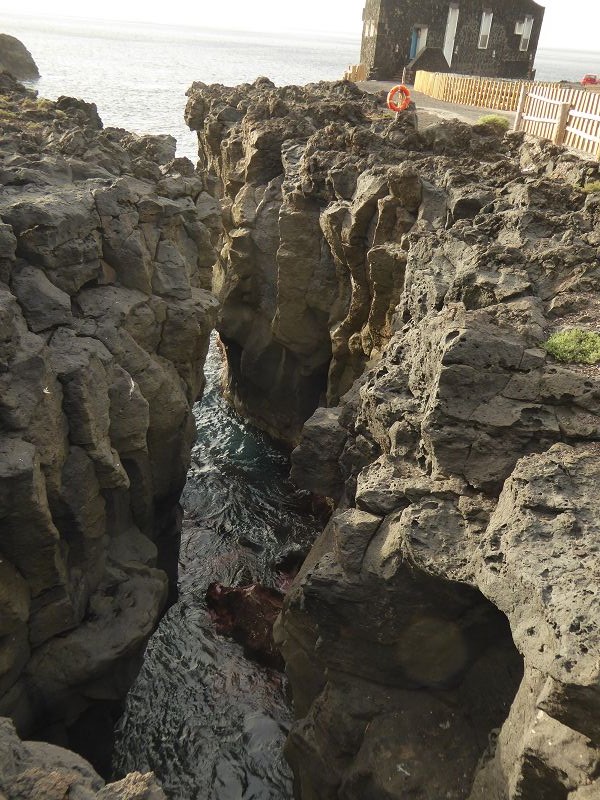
(560, 128)
(520, 108)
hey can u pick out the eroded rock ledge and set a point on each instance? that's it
(106, 250)
(441, 639)
(45, 772)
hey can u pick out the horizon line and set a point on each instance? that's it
(355, 33)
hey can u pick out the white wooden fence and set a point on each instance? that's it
(566, 116)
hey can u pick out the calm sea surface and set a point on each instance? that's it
(137, 74)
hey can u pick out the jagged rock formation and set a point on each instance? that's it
(441, 637)
(279, 282)
(16, 59)
(38, 770)
(106, 249)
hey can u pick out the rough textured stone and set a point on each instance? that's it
(406, 282)
(16, 59)
(38, 771)
(105, 320)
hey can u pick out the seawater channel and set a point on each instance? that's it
(209, 722)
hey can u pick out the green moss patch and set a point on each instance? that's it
(496, 120)
(575, 346)
(592, 187)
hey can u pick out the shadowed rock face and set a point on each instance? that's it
(106, 248)
(440, 639)
(289, 299)
(16, 59)
(38, 770)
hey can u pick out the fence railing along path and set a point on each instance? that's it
(356, 73)
(470, 90)
(563, 114)
(570, 117)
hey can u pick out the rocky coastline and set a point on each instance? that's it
(384, 296)
(440, 640)
(106, 250)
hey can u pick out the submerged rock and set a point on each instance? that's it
(105, 317)
(16, 59)
(247, 614)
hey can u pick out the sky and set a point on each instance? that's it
(569, 24)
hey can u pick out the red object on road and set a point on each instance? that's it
(590, 80)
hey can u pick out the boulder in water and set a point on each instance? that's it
(16, 59)
(247, 614)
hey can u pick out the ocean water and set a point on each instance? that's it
(138, 74)
(210, 723)
(562, 65)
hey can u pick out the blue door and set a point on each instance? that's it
(414, 39)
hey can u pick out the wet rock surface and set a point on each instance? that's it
(247, 614)
(106, 249)
(440, 634)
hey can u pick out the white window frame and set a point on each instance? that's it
(422, 39)
(451, 29)
(487, 18)
(526, 35)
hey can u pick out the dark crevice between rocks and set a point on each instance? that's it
(274, 392)
(415, 686)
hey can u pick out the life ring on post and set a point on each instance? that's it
(393, 105)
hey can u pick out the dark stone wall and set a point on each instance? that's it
(388, 51)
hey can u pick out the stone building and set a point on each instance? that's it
(494, 38)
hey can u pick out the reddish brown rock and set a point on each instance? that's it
(247, 614)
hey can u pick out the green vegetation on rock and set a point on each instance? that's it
(592, 187)
(575, 346)
(494, 119)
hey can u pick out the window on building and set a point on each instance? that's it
(484, 31)
(526, 35)
(451, 28)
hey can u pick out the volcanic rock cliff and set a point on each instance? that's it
(106, 250)
(441, 639)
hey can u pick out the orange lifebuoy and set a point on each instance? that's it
(392, 103)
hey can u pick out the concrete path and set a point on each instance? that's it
(438, 107)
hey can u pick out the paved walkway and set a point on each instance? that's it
(437, 107)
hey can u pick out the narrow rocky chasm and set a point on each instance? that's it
(209, 721)
(441, 638)
(384, 296)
